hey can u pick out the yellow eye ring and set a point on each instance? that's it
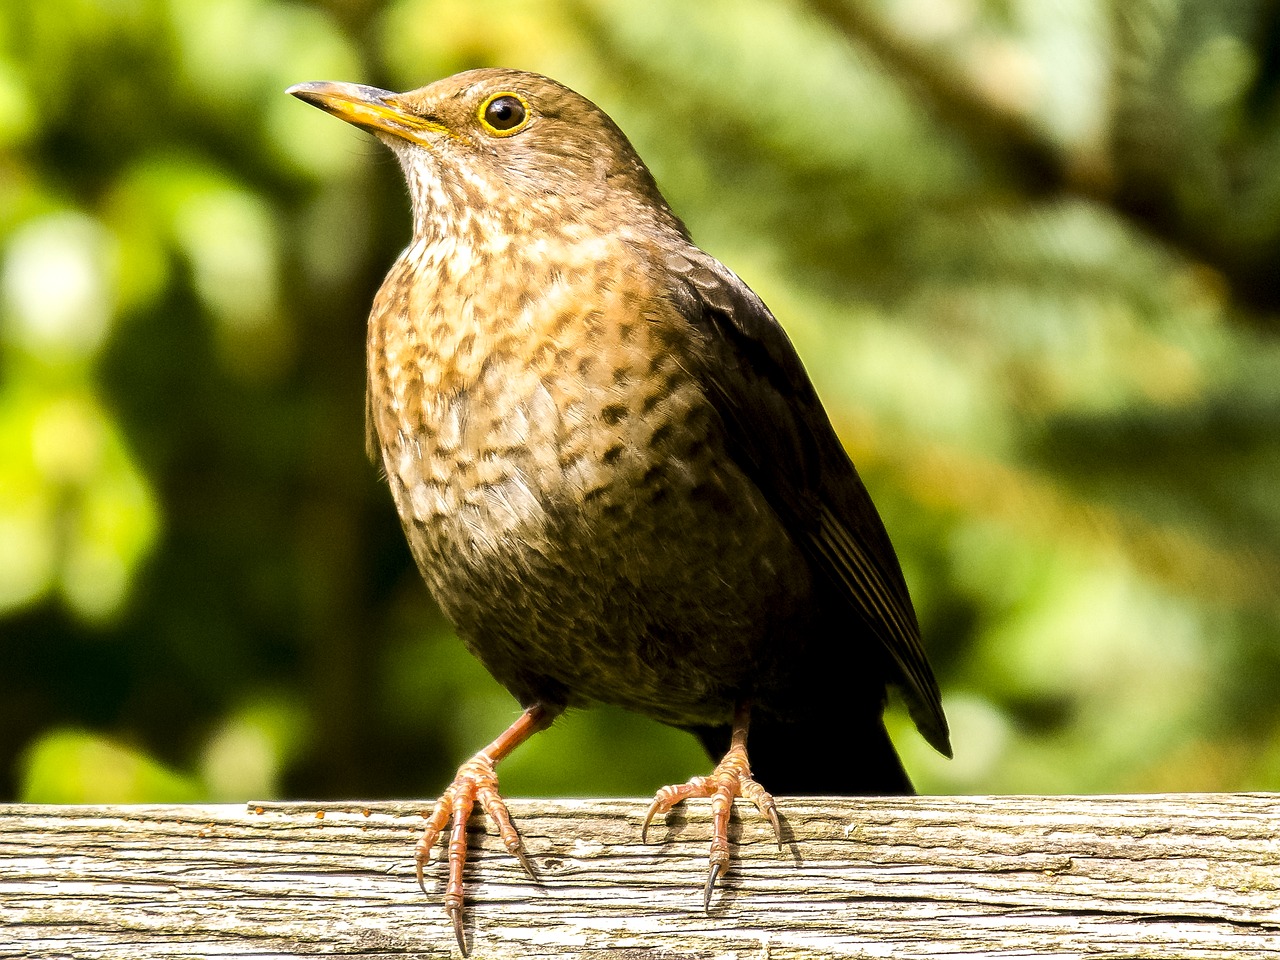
(504, 114)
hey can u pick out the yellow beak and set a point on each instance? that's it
(378, 111)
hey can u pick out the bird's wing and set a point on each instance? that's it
(781, 436)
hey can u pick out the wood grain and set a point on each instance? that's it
(1184, 876)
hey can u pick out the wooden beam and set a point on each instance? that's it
(1185, 876)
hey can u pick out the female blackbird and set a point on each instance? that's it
(611, 467)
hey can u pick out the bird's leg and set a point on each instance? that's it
(474, 781)
(731, 778)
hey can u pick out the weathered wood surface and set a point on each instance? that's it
(978, 877)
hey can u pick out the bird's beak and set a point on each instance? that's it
(378, 111)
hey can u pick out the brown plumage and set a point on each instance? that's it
(611, 467)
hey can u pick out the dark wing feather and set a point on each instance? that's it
(781, 436)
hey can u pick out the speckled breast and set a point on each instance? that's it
(565, 490)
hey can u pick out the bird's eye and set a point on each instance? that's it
(504, 114)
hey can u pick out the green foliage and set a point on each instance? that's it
(71, 766)
(1028, 252)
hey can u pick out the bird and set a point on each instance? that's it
(613, 471)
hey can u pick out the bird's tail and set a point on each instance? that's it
(834, 753)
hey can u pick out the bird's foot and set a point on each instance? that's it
(475, 782)
(731, 778)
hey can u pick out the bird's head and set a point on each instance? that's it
(504, 149)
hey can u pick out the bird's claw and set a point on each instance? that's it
(712, 874)
(455, 915)
(730, 779)
(474, 782)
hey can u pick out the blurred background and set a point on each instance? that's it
(1029, 251)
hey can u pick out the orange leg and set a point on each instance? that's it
(474, 781)
(731, 778)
